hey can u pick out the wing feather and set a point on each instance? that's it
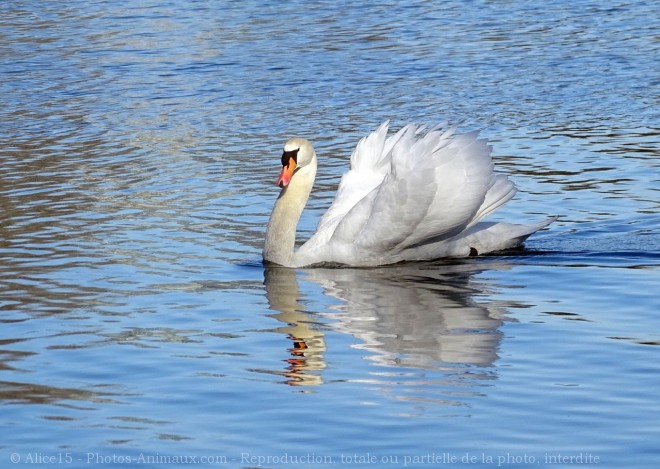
(410, 195)
(369, 165)
(434, 189)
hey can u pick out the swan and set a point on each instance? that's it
(419, 194)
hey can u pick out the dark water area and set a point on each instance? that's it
(139, 149)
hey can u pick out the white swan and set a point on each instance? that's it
(416, 195)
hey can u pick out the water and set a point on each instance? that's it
(139, 150)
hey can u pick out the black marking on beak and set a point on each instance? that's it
(291, 154)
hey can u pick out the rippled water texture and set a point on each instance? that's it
(139, 148)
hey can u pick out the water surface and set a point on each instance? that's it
(139, 147)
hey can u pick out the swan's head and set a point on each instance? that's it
(298, 153)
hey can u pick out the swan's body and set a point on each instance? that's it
(411, 196)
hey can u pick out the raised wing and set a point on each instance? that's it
(434, 189)
(369, 165)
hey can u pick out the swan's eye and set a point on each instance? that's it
(291, 154)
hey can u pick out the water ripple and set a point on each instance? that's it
(139, 148)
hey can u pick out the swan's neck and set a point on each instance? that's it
(281, 231)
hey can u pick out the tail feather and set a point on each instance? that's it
(488, 237)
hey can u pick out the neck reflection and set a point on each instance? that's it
(307, 348)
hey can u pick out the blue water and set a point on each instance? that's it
(139, 149)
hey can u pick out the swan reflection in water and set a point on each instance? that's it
(409, 317)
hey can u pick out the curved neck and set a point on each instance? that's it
(281, 231)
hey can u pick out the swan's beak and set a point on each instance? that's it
(287, 172)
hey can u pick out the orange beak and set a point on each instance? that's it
(287, 172)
